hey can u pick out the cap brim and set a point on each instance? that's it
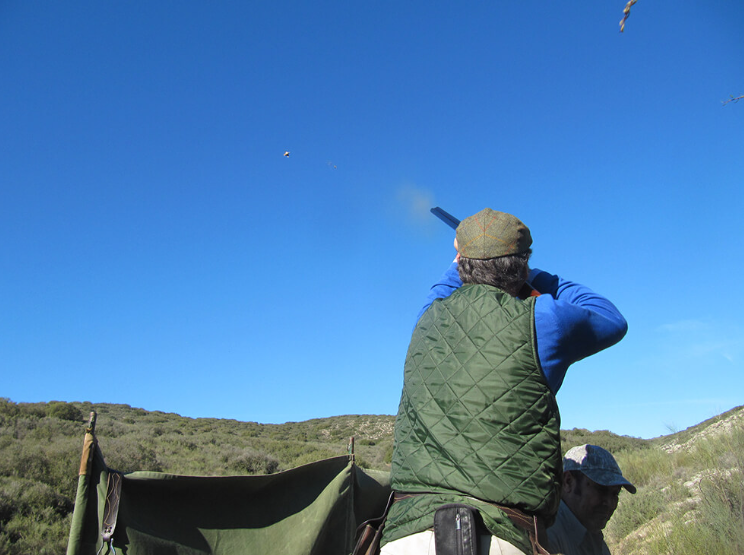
(609, 479)
(630, 487)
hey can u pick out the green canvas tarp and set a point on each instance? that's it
(312, 509)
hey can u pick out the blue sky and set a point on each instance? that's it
(158, 249)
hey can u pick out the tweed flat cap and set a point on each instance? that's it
(491, 234)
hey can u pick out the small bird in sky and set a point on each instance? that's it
(286, 153)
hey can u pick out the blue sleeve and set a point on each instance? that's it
(442, 288)
(572, 322)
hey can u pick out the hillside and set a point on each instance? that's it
(690, 496)
(40, 446)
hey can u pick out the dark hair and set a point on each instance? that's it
(508, 273)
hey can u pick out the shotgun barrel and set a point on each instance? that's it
(446, 217)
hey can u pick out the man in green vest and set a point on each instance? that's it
(478, 426)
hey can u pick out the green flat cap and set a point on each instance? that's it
(490, 234)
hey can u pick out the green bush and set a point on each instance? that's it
(8, 408)
(722, 507)
(64, 411)
(41, 534)
(34, 518)
(127, 454)
(22, 460)
(22, 496)
(248, 461)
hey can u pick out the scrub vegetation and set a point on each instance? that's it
(690, 496)
(690, 483)
(41, 445)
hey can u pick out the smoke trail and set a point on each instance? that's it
(416, 203)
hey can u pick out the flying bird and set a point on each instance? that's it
(286, 153)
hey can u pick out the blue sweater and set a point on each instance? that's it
(571, 321)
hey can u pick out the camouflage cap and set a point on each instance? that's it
(491, 234)
(597, 464)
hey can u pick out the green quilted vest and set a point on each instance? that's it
(477, 422)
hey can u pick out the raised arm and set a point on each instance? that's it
(572, 322)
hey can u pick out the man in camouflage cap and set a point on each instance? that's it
(592, 481)
(478, 424)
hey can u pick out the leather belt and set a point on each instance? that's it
(532, 524)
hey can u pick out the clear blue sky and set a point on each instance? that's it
(158, 249)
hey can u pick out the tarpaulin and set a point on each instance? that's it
(311, 509)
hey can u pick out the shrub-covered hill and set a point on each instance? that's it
(41, 443)
(690, 496)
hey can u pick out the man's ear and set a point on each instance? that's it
(568, 482)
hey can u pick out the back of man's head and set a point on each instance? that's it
(494, 249)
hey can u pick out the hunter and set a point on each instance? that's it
(477, 452)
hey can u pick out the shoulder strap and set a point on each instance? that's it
(111, 508)
(369, 532)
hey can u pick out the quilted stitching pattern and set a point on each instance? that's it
(476, 415)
